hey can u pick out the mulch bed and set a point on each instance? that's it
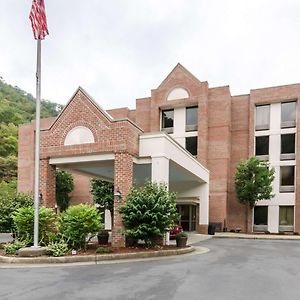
(92, 247)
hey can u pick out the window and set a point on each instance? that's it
(260, 218)
(262, 146)
(262, 117)
(191, 144)
(167, 121)
(79, 135)
(178, 93)
(286, 218)
(288, 114)
(191, 118)
(287, 146)
(287, 176)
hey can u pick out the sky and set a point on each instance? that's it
(119, 50)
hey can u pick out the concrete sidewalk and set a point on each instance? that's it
(259, 236)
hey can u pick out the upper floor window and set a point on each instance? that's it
(262, 147)
(79, 135)
(191, 118)
(167, 120)
(262, 117)
(287, 179)
(288, 114)
(287, 146)
(178, 93)
(191, 144)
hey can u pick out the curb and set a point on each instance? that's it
(272, 237)
(93, 258)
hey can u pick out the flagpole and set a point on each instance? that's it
(37, 146)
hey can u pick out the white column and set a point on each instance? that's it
(273, 218)
(204, 204)
(160, 170)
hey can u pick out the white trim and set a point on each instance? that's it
(79, 159)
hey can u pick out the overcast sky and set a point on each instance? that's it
(119, 50)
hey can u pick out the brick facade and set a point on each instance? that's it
(225, 136)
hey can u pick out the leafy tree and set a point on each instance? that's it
(8, 168)
(148, 211)
(103, 193)
(8, 139)
(78, 223)
(64, 186)
(253, 182)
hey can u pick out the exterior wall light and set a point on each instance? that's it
(118, 195)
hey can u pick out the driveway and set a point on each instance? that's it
(233, 269)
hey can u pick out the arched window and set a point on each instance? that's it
(178, 93)
(79, 135)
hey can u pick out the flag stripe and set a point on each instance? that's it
(38, 19)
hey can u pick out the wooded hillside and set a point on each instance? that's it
(16, 107)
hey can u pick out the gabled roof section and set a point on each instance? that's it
(179, 69)
(90, 99)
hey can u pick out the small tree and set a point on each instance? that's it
(64, 186)
(253, 182)
(148, 211)
(103, 194)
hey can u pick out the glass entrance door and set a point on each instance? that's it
(187, 216)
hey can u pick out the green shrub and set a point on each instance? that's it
(24, 222)
(148, 211)
(10, 201)
(181, 235)
(57, 248)
(78, 223)
(103, 250)
(12, 248)
(64, 186)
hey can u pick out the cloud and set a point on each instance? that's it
(120, 50)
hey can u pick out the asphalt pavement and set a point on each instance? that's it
(232, 269)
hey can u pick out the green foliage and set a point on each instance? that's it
(253, 181)
(64, 186)
(78, 223)
(10, 201)
(12, 248)
(24, 222)
(16, 107)
(103, 250)
(59, 248)
(103, 193)
(148, 211)
(181, 234)
(8, 168)
(8, 139)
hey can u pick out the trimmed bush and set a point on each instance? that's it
(148, 211)
(78, 223)
(24, 222)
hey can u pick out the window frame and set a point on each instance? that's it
(287, 155)
(191, 127)
(167, 129)
(262, 156)
(287, 188)
(190, 137)
(288, 123)
(262, 126)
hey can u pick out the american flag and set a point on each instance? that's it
(38, 20)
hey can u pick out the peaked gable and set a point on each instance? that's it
(177, 76)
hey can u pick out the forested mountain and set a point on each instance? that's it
(16, 107)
